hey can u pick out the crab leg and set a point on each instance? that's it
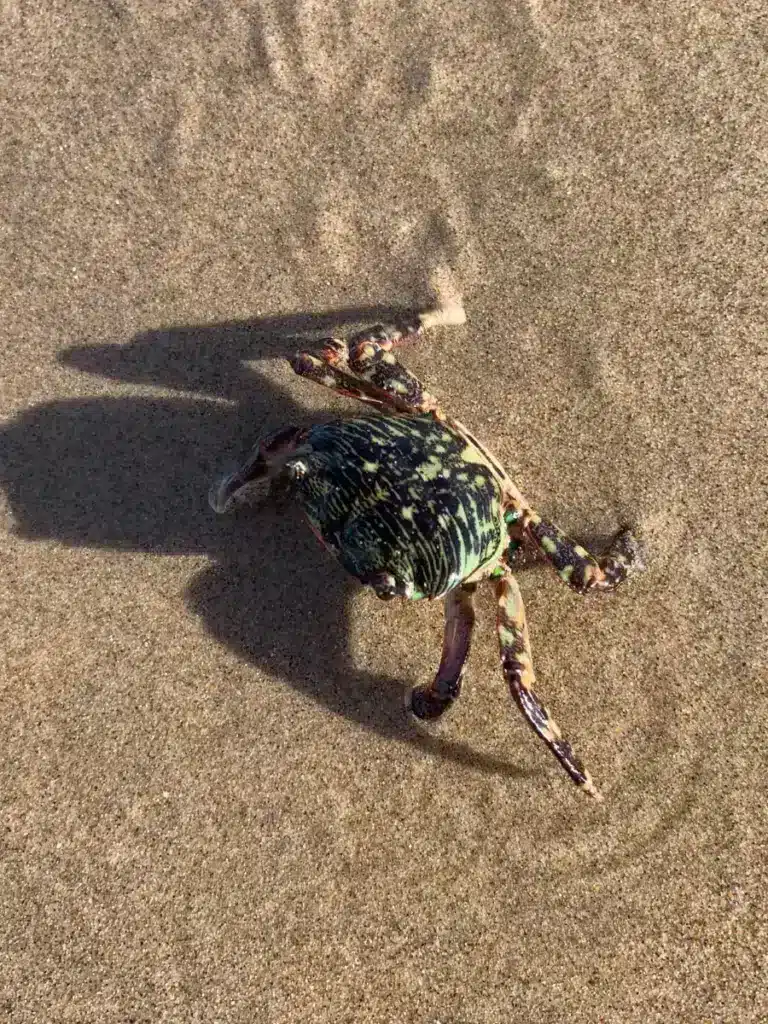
(323, 371)
(367, 370)
(575, 565)
(518, 669)
(371, 359)
(429, 702)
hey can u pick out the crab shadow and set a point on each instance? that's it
(132, 474)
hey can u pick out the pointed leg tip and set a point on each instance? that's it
(451, 314)
(220, 496)
(591, 790)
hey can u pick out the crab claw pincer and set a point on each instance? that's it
(226, 491)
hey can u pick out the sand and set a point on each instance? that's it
(213, 807)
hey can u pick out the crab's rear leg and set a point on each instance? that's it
(429, 702)
(576, 566)
(517, 663)
(366, 368)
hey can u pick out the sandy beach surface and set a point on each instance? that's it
(212, 805)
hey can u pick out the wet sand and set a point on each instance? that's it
(213, 807)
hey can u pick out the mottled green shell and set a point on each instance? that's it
(403, 495)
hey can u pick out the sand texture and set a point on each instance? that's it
(212, 806)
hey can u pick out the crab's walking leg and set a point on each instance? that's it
(371, 357)
(429, 702)
(518, 670)
(366, 368)
(575, 565)
(331, 373)
(407, 328)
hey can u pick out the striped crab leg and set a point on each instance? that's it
(575, 565)
(366, 368)
(516, 661)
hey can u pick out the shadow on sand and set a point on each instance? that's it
(133, 474)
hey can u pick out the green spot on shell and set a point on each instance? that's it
(548, 545)
(566, 573)
(472, 454)
(430, 469)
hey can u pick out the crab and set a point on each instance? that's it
(414, 506)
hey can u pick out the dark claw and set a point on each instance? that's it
(430, 702)
(426, 705)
